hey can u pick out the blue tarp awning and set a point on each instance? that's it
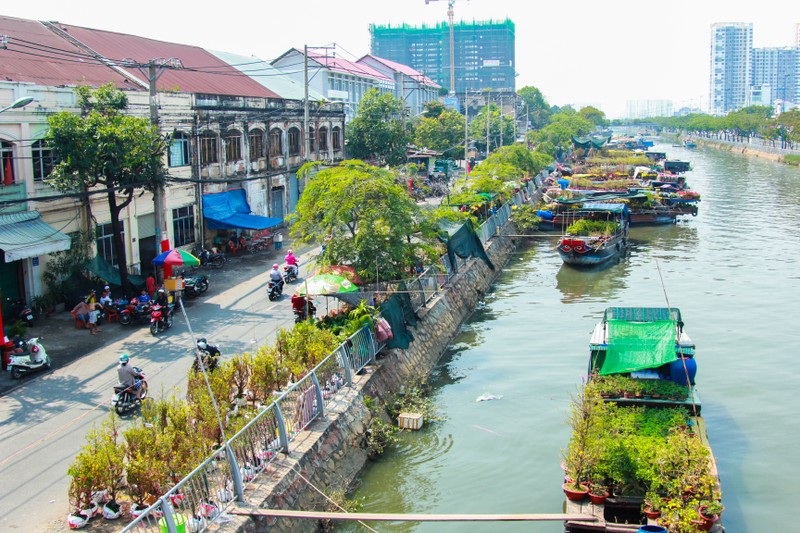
(230, 210)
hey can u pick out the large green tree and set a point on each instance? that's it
(537, 110)
(103, 148)
(368, 220)
(378, 132)
(445, 133)
(594, 115)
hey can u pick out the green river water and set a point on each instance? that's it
(733, 272)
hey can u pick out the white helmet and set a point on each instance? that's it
(290, 250)
(201, 344)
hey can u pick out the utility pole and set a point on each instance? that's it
(466, 132)
(305, 102)
(488, 139)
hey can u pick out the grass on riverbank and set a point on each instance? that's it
(793, 160)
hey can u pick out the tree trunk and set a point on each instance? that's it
(119, 246)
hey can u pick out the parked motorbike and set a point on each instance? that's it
(274, 290)
(27, 356)
(195, 285)
(300, 313)
(133, 312)
(124, 398)
(290, 273)
(207, 355)
(207, 259)
(21, 311)
(160, 318)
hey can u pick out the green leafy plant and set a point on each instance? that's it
(586, 227)
(525, 218)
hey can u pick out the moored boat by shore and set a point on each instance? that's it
(598, 236)
(639, 442)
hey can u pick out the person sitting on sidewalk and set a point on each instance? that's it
(81, 312)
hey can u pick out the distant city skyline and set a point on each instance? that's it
(607, 53)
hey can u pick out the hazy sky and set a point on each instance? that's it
(576, 51)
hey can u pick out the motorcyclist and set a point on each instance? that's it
(292, 262)
(128, 376)
(299, 305)
(276, 276)
(210, 354)
(161, 298)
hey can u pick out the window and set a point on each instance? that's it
(233, 146)
(6, 163)
(208, 148)
(323, 139)
(179, 150)
(183, 225)
(312, 138)
(105, 242)
(42, 160)
(337, 138)
(294, 141)
(275, 142)
(256, 141)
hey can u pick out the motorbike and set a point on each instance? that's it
(132, 312)
(207, 355)
(160, 318)
(290, 273)
(300, 313)
(124, 398)
(27, 356)
(195, 285)
(21, 310)
(274, 290)
(207, 259)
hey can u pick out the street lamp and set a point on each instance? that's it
(19, 102)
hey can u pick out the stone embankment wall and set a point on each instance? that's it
(333, 452)
(751, 150)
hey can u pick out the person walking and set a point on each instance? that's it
(150, 282)
(92, 322)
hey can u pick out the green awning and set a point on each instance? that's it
(25, 234)
(638, 345)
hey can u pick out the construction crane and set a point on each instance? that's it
(450, 4)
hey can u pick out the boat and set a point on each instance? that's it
(638, 437)
(676, 166)
(599, 235)
(688, 143)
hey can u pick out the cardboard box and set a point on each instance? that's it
(409, 421)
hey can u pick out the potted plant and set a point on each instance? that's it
(84, 482)
(110, 453)
(653, 503)
(709, 511)
(598, 493)
(581, 455)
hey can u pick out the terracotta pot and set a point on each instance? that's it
(649, 513)
(575, 495)
(598, 499)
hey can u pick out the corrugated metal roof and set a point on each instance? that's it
(37, 55)
(24, 235)
(340, 64)
(203, 72)
(270, 77)
(404, 69)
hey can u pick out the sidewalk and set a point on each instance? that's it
(65, 343)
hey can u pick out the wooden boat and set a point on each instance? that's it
(584, 245)
(676, 166)
(688, 143)
(641, 375)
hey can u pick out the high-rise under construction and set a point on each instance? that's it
(483, 52)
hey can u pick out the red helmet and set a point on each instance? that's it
(275, 265)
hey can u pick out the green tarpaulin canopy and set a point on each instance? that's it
(636, 346)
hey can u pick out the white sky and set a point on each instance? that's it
(577, 52)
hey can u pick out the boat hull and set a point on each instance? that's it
(589, 253)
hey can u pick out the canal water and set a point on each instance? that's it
(734, 271)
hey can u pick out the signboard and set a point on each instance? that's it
(451, 102)
(491, 62)
(334, 94)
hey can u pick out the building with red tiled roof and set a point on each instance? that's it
(414, 88)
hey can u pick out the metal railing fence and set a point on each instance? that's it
(203, 495)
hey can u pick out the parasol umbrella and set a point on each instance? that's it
(345, 271)
(325, 284)
(176, 258)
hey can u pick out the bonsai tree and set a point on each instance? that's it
(270, 373)
(85, 479)
(582, 453)
(110, 454)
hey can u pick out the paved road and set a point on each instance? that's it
(44, 419)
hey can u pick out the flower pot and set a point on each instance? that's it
(598, 499)
(78, 520)
(651, 514)
(573, 494)
(112, 511)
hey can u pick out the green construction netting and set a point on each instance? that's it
(462, 241)
(398, 311)
(638, 345)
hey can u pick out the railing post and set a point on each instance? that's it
(373, 351)
(318, 394)
(347, 365)
(236, 474)
(169, 518)
(282, 434)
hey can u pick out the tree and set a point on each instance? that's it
(445, 133)
(433, 109)
(106, 148)
(368, 219)
(378, 133)
(536, 107)
(501, 128)
(593, 115)
(558, 134)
